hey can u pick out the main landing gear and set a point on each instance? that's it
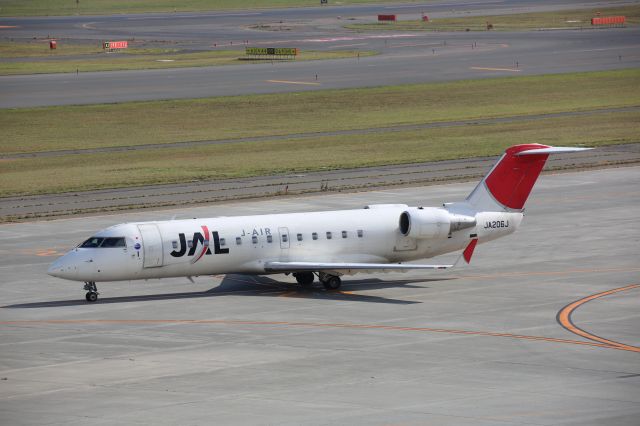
(330, 282)
(305, 279)
(92, 291)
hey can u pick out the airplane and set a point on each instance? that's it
(326, 244)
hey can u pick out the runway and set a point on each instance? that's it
(404, 57)
(542, 328)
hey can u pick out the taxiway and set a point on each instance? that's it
(404, 56)
(487, 345)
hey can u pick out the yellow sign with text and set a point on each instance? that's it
(280, 51)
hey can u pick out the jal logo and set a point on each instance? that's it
(199, 238)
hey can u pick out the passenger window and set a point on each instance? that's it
(254, 239)
(190, 243)
(113, 242)
(328, 235)
(238, 240)
(223, 242)
(285, 238)
(299, 237)
(314, 236)
(344, 234)
(269, 239)
(360, 233)
(174, 244)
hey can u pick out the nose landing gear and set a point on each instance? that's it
(92, 291)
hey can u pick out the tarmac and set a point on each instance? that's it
(543, 328)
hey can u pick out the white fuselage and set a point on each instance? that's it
(243, 244)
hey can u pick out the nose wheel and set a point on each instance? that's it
(92, 291)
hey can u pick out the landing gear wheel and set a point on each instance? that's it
(332, 283)
(305, 279)
(92, 291)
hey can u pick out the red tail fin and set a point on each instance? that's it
(509, 183)
(512, 180)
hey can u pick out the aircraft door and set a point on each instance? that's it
(151, 245)
(284, 237)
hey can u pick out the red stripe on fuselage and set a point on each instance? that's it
(512, 179)
(205, 244)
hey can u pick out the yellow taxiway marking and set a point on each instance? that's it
(319, 325)
(564, 318)
(4, 27)
(495, 69)
(305, 83)
(42, 252)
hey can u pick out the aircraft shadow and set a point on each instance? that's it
(248, 285)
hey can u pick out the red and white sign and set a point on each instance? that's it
(115, 45)
(388, 18)
(608, 20)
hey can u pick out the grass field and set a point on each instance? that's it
(91, 171)
(517, 22)
(96, 60)
(102, 7)
(139, 123)
(40, 49)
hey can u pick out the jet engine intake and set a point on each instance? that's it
(432, 223)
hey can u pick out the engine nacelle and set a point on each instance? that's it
(432, 222)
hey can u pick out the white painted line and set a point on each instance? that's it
(306, 83)
(495, 69)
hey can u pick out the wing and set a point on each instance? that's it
(345, 268)
(351, 268)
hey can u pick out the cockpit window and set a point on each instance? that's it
(113, 242)
(92, 242)
(101, 242)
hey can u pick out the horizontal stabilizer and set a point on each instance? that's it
(551, 150)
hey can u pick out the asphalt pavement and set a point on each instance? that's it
(541, 329)
(404, 57)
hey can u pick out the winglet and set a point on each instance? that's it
(468, 252)
(465, 257)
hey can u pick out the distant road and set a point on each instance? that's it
(409, 58)
(406, 57)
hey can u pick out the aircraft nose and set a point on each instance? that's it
(65, 267)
